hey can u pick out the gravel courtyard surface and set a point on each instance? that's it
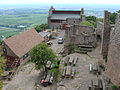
(24, 80)
(80, 81)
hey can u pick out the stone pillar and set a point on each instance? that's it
(83, 18)
(105, 35)
(67, 39)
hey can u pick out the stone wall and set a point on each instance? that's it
(80, 35)
(99, 28)
(105, 35)
(8, 51)
(72, 21)
(113, 64)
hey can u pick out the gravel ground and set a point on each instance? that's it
(24, 80)
(82, 73)
(82, 76)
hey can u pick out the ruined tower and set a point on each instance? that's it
(105, 35)
(113, 64)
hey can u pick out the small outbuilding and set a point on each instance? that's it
(16, 48)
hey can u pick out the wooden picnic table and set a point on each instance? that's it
(95, 84)
(66, 59)
(71, 60)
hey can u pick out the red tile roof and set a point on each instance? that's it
(22, 43)
(65, 12)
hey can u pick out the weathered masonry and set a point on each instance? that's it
(105, 35)
(113, 64)
(59, 19)
(83, 36)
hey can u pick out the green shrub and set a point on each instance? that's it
(114, 87)
(87, 23)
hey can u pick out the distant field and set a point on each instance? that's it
(8, 31)
(23, 19)
(28, 20)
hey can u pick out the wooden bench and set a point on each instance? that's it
(51, 77)
(68, 71)
(100, 84)
(95, 84)
(75, 61)
(64, 71)
(90, 85)
(90, 68)
(95, 69)
(73, 72)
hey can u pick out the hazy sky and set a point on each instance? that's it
(60, 2)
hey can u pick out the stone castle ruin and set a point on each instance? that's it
(113, 64)
(82, 36)
(110, 46)
(86, 36)
(105, 34)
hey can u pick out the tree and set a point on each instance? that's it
(41, 54)
(100, 19)
(41, 27)
(2, 64)
(113, 17)
(91, 18)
